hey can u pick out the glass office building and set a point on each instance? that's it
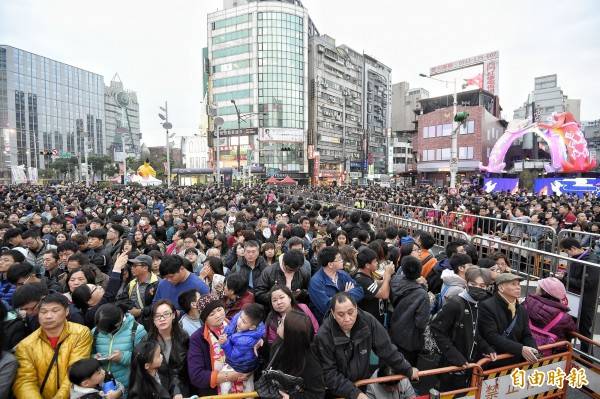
(46, 105)
(257, 56)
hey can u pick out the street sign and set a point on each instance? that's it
(66, 155)
(54, 152)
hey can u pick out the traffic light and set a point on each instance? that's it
(461, 117)
(45, 152)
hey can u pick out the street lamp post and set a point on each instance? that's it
(167, 125)
(455, 125)
(345, 96)
(239, 134)
(218, 121)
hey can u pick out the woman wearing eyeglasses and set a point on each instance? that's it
(174, 344)
(455, 329)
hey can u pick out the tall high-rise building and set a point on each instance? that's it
(377, 113)
(122, 116)
(405, 108)
(46, 106)
(257, 59)
(336, 129)
(546, 98)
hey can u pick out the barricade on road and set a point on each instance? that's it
(590, 364)
(530, 235)
(499, 382)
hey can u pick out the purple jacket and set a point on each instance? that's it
(200, 367)
(542, 310)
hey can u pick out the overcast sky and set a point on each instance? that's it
(156, 46)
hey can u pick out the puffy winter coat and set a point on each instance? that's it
(543, 310)
(239, 347)
(411, 313)
(34, 355)
(124, 340)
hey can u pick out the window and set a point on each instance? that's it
(239, 19)
(428, 131)
(428, 155)
(439, 131)
(234, 80)
(445, 154)
(235, 50)
(233, 95)
(231, 66)
(470, 128)
(238, 34)
(447, 129)
(465, 153)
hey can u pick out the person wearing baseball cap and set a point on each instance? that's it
(142, 288)
(504, 323)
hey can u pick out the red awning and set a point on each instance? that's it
(272, 180)
(288, 180)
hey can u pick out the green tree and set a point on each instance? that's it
(62, 166)
(100, 163)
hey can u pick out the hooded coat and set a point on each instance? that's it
(410, 315)
(239, 347)
(455, 330)
(452, 286)
(124, 340)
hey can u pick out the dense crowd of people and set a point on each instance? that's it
(145, 292)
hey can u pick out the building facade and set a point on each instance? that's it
(195, 151)
(405, 108)
(475, 139)
(377, 113)
(47, 106)
(257, 59)
(122, 117)
(336, 129)
(546, 99)
(591, 131)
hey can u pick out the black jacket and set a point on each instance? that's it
(351, 229)
(314, 385)
(242, 267)
(174, 369)
(495, 318)
(411, 313)
(454, 329)
(346, 359)
(273, 275)
(592, 274)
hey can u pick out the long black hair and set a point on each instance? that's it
(177, 333)
(296, 345)
(139, 378)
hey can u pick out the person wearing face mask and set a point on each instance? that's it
(455, 329)
(115, 336)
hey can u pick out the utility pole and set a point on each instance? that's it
(87, 165)
(218, 121)
(239, 135)
(454, 149)
(167, 125)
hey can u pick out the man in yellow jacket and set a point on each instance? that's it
(45, 356)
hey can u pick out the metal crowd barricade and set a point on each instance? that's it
(590, 364)
(535, 264)
(586, 239)
(498, 382)
(530, 235)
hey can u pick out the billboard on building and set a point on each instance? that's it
(490, 62)
(567, 186)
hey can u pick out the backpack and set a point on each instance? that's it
(439, 300)
(543, 336)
